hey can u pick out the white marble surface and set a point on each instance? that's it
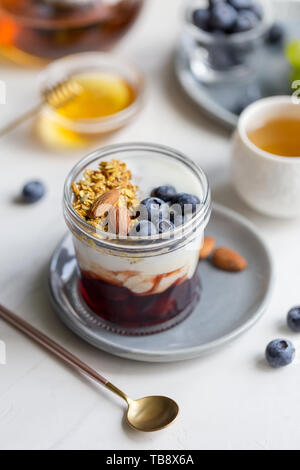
(229, 400)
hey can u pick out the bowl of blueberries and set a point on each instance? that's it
(222, 37)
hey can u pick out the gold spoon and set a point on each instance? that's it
(58, 95)
(146, 414)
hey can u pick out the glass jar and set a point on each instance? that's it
(214, 57)
(49, 29)
(140, 285)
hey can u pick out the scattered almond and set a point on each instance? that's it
(119, 220)
(209, 244)
(104, 203)
(229, 260)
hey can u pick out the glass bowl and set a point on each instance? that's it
(214, 57)
(58, 125)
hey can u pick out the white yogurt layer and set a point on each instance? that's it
(140, 275)
(149, 274)
(149, 173)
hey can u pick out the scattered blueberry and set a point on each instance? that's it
(240, 4)
(186, 201)
(223, 16)
(201, 18)
(153, 208)
(275, 34)
(251, 93)
(280, 353)
(164, 192)
(144, 228)
(246, 20)
(33, 191)
(293, 319)
(165, 225)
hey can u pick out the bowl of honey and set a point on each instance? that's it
(111, 94)
(49, 29)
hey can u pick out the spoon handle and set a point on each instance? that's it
(49, 344)
(19, 120)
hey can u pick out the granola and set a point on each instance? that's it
(110, 175)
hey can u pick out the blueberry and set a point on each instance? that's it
(223, 16)
(213, 3)
(246, 20)
(280, 353)
(165, 225)
(240, 4)
(293, 319)
(217, 33)
(275, 34)
(187, 202)
(164, 192)
(33, 191)
(154, 209)
(251, 93)
(201, 18)
(143, 228)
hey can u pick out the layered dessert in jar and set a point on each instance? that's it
(137, 213)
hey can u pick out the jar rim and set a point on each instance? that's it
(137, 244)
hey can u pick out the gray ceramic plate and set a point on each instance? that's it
(220, 100)
(219, 318)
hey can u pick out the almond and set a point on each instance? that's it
(119, 220)
(209, 244)
(104, 203)
(229, 260)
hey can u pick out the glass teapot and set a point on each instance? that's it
(49, 29)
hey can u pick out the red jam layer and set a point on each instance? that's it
(122, 307)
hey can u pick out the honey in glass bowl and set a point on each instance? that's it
(111, 94)
(102, 94)
(48, 29)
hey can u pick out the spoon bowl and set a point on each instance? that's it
(151, 413)
(146, 414)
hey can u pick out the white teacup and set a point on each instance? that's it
(268, 183)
